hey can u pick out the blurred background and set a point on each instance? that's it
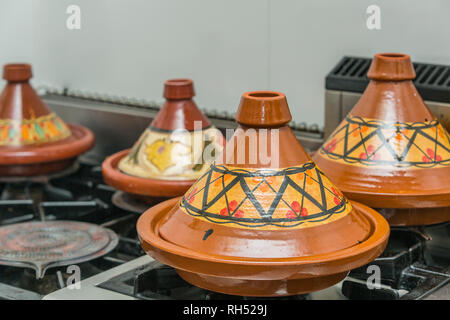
(128, 48)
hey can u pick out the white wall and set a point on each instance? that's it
(129, 47)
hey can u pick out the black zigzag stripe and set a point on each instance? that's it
(266, 217)
(398, 160)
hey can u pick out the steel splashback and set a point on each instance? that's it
(117, 123)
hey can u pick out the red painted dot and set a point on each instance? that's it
(239, 214)
(337, 201)
(291, 214)
(304, 212)
(232, 205)
(224, 212)
(296, 206)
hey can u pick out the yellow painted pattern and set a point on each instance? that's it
(48, 128)
(368, 142)
(171, 155)
(267, 199)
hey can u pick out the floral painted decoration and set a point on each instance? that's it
(48, 128)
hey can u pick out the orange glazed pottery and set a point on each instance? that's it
(169, 155)
(391, 152)
(34, 140)
(263, 220)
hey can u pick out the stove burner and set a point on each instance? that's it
(125, 202)
(405, 271)
(43, 245)
(42, 178)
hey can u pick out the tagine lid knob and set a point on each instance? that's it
(16, 72)
(24, 104)
(391, 67)
(179, 111)
(263, 109)
(179, 89)
(263, 118)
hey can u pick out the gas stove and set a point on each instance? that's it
(415, 265)
(81, 200)
(411, 268)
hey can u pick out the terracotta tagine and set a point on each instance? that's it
(390, 151)
(263, 220)
(34, 140)
(170, 154)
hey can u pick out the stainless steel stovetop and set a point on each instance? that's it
(426, 277)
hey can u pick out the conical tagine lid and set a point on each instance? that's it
(173, 146)
(390, 151)
(33, 139)
(263, 198)
(24, 118)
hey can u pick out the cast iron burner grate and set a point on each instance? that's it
(408, 270)
(80, 196)
(350, 74)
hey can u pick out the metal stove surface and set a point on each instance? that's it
(80, 196)
(118, 284)
(411, 268)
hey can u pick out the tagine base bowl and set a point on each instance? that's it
(401, 210)
(415, 206)
(258, 276)
(44, 159)
(143, 189)
(43, 178)
(415, 216)
(261, 288)
(134, 203)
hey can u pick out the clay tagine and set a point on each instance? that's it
(34, 140)
(171, 153)
(390, 151)
(263, 220)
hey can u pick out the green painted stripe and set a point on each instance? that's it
(39, 130)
